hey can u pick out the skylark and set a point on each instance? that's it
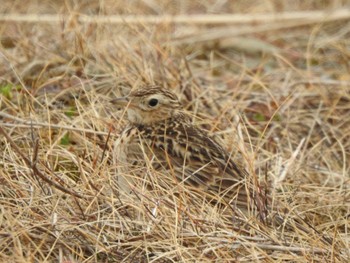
(160, 129)
(162, 132)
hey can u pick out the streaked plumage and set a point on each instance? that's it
(161, 132)
(166, 133)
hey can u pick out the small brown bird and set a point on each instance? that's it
(162, 132)
(159, 128)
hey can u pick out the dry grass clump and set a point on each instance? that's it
(281, 95)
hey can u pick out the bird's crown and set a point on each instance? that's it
(150, 104)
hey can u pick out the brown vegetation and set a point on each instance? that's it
(278, 90)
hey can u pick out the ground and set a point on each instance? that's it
(276, 88)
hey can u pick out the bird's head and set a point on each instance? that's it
(148, 105)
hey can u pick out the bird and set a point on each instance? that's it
(160, 130)
(159, 127)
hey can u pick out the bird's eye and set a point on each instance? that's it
(153, 102)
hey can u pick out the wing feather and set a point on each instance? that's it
(194, 156)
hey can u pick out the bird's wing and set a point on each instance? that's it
(195, 158)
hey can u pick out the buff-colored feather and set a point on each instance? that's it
(164, 132)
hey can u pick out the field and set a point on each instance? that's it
(270, 79)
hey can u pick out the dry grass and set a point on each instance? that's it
(280, 92)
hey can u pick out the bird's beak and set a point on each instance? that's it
(121, 102)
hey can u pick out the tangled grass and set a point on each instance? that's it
(278, 92)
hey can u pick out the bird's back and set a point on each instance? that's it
(188, 152)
